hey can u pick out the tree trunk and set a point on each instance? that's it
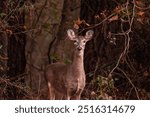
(44, 19)
(62, 49)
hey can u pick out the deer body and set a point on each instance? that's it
(68, 81)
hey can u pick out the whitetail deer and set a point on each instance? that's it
(68, 81)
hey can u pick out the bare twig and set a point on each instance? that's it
(126, 35)
(130, 81)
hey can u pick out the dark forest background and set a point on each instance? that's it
(117, 60)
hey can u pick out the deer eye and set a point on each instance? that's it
(84, 41)
(75, 42)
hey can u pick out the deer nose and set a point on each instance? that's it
(79, 48)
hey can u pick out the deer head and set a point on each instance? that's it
(80, 41)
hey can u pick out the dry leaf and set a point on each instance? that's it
(97, 17)
(113, 18)
(9, 31)
(76, 26)
(78, 21)
(25, 27)
(118, 9)
(140, 13)
(139, 3)
(140, 20)
(146, 74)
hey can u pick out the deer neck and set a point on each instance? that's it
(78, 70)
(78, 65)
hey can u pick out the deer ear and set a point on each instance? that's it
(71, 34)
(89, 34)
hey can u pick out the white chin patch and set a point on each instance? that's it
(80, 53)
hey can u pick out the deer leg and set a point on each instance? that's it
(51, 91)
(58, 96)
(67, 96)
(77, 95)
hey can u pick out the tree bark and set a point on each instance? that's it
(44, 19)
(63, 48)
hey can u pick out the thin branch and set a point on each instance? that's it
(136, 91)
(126, 35)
